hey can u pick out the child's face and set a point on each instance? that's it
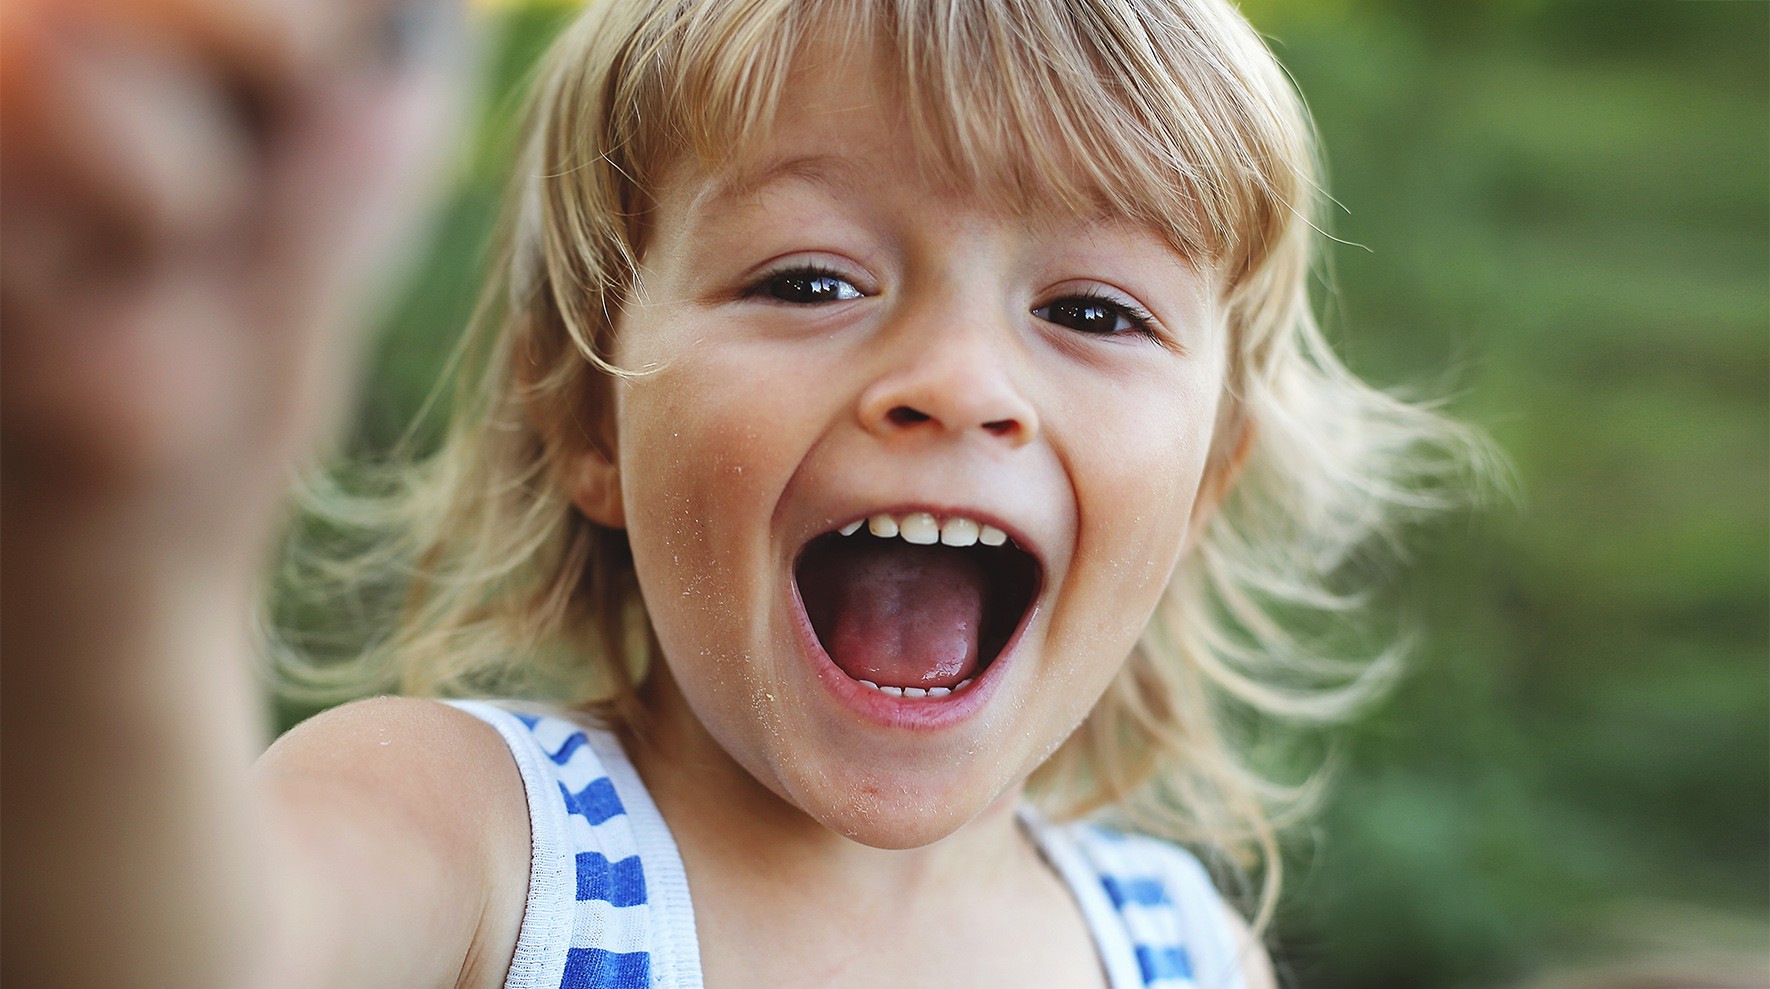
(837, 340)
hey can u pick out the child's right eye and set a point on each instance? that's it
(805, 286)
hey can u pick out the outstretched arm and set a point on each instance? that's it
(199, 198)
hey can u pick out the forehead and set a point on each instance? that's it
(798, 190)
(1168, 113)
(843, 129)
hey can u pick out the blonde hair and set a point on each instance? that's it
(1172, 112)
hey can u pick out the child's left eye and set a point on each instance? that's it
(805, 286)
(1096, 315)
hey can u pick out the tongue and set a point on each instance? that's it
(893, 613)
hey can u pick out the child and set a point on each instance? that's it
(900, 416)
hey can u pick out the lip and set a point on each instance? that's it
(909, 713)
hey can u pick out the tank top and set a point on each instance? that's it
(608, 901)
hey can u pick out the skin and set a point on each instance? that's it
(936, 377)
(176, 335)
(180, 289)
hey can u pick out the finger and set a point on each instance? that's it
(264, 43)
(119, 388)
(267, 44)
(140, 144)
(364, 159)
(151, 125)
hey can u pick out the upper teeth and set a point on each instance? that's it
(924, 529)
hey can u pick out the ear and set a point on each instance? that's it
(1221, 471)
(593, 482)
(584, 469)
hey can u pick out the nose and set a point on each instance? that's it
(950, 377)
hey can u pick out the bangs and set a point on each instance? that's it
(1171, 116)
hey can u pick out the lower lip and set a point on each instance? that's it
(904, 713)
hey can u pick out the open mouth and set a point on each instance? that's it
(913, 605)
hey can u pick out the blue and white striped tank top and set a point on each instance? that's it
(608, 903)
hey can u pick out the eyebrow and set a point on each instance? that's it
(833, 172)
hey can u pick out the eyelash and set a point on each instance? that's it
(764, 286)
(1139, 319)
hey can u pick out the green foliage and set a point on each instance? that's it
(1564, 208)
(1560, 210)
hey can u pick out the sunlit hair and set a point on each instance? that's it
(1171, 112)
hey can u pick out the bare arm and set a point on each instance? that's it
(198, 198)
(406, 811)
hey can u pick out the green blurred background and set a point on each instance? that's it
(1557, 213)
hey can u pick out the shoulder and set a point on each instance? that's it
(1173, 908)
(396, 801)
(436, 724)
(1256, 964)
(402, 748)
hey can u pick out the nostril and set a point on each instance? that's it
(1002, 427)
(903, 415)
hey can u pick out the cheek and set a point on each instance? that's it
(707, 443)
(1135, 491)
(684, 460)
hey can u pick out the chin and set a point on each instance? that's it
(896, 824)
(891, 811)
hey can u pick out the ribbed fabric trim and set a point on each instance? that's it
(676, 953)
(1220, 957)
(1157, 888)
(545, 935)
(1162, 922)
(1111, 940)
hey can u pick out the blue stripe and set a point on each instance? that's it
(1140, 890)
(572, 744)
(596, 801)
(1163, 963)
(594, 968)
(529, 720)
(620, 883)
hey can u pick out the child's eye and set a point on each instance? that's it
(1096, 315)
(805, 286)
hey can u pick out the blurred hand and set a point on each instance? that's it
(199, 197)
